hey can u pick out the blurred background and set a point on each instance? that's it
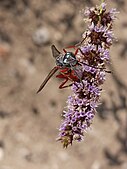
(29, 122)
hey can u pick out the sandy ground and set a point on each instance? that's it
(29, 122)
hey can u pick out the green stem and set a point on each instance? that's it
(102, 1)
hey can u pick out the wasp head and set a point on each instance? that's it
(67, 60)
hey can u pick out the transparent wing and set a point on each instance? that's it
(78, 71)
(55, 51)
(47, 78)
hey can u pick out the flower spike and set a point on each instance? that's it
(93, 57)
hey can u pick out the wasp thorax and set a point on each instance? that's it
(68, 60)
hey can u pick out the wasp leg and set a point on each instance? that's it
(69, 47)
(62, 76)
(68, 73)
(62, 86)
(78, 44)
(64, 82)
(64, 50)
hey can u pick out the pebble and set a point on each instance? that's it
(41, 36)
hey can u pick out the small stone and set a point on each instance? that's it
(41, 36)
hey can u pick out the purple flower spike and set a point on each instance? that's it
(93, 57)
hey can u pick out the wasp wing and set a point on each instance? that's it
(77, 71)
(51, 73)
(55, 51)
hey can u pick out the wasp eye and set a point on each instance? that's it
(59, 61)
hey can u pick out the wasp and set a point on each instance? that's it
(66, 64)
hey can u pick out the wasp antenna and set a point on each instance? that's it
(55, 51)
(38, 90)
(51, 73)
(108, 71)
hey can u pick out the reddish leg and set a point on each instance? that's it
(68, 48)
(68, 73)
(80, 43)
(64, 50)
(71, 78)
(62, 86)
(63, 83)
(78, 49)
(71, 47)
(66, 76)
